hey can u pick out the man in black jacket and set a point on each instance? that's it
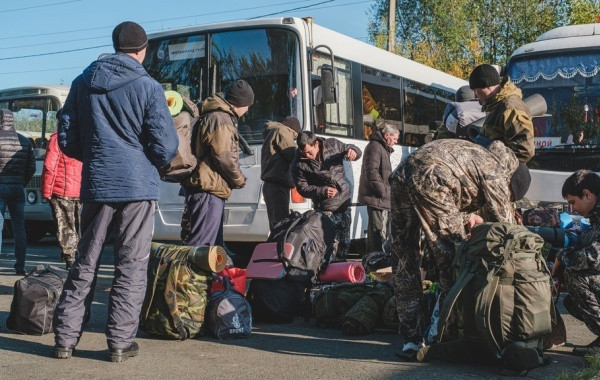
(374, 187)
(318, 173)
(17, 165)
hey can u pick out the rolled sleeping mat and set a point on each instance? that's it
(343, 272)
(210, 259)
(174, 102)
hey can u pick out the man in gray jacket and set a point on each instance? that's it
(17, 165)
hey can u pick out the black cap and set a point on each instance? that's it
(465, 94)
(129, 37)
(240, 94)
(292, 123)
(520, 181)
(484, 76)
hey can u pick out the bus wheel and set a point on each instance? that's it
(35, 230)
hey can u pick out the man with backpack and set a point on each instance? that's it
(216, 145)
(436, 190)
(582, 263)
(318, 173)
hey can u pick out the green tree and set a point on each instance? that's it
(584, 11)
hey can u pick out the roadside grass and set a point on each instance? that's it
(591, 370)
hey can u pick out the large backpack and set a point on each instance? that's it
(177, 294)
(184, 162)
(35, 298)
(505, 296)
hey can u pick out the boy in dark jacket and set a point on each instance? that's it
(582, 262)
(374, 187)
(318, 173)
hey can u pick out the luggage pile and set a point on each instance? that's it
(559, 229)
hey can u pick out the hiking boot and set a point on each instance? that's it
(451, 352)
(118, 355)
(63, 352)
(589, 350)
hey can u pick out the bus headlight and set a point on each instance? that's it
(31, 197)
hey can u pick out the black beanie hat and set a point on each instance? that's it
(240, 94)
(129, 37)
(484, 76)
(520, 181)
(465, 94)
(293, 123)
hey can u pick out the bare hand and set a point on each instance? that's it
(331, 192)
(474, 220)
(351, 155)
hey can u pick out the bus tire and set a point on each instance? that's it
(35, 230)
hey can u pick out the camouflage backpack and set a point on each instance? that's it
(177, 294)
(505, 297)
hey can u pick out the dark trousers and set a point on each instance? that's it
(13, 197)
(583, 300)
(377, 229)
(134, 224)
(342, 220)
(202, 220)
(277, 199)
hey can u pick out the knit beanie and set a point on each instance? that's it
(240, 94)
(484, 76)
(292, 123)
(520, 181)
(465, 94)
(7, 122)
(129, 37)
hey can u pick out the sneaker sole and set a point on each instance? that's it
(118, 358)
(62, 354)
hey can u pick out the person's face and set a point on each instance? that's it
(483, 94)
(584, 204)
(311, 151)
(240, 111)
(390, 139)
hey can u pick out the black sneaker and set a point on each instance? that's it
(69, 264)
(118, 355)
(20, 272)
(63, 352)
(589, 350)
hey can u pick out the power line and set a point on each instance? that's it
(42, 70)
(290, 10)
(53, 52)
(39, 6)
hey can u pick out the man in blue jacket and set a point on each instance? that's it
(116, 121)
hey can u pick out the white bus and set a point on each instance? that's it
(563, 65)
(34, 109)
(283, 60)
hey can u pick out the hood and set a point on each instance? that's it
(112, 72)
(378, 136)
(507, 88)
(216, 103)
(273, 126)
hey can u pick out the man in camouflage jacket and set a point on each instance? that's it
(582, 262)
(434, 190)
(508, 117)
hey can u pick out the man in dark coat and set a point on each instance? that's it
(374, 187)
(318, 173)
(116, 121)
(17, 165)
(278, 151)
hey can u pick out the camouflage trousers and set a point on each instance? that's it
(342, 221)
(407, 225)
(583, 300)
(66, 212)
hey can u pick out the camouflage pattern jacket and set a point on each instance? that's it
(585, 256)
(509, 120)
(216, 145)
(476, 177)
(278, 151)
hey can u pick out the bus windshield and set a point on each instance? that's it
(200, 65)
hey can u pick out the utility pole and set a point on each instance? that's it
(392, 26)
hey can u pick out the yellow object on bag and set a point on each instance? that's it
(174, 101)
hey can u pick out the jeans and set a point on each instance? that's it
(13, 196)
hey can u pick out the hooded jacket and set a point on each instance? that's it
(312, 177)
(509, 120)
(61, 174)
(17, 161)
(374, 187)
(278, 151)
(116, 121)
(216, 145)
(584, 258)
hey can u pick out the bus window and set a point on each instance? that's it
(421, 111)
(380, 99)
(269, 60)
(334, 119)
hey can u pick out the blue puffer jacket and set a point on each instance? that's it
(116, 121)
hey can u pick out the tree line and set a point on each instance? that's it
(456, 35)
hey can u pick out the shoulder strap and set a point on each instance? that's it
(281, 242)
(151, 299)
(171, 296)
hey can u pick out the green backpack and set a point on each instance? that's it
(177, 294)
(505, 297)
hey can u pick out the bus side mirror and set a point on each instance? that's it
(328, 85)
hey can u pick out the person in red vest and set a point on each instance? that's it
(61, 182)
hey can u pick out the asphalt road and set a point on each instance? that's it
(296, 351)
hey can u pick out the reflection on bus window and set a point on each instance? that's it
(380, 100)
(423, 110)
(338, 116)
